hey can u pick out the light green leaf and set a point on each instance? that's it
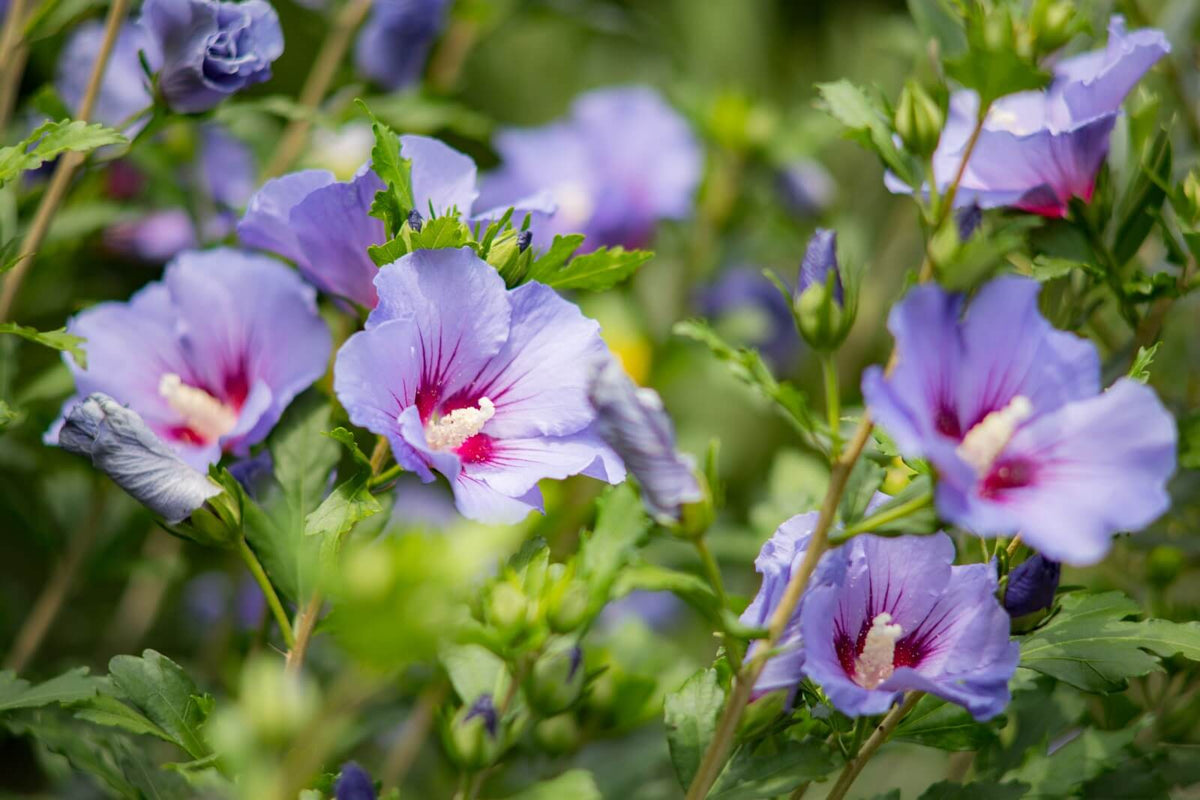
(160, 689)
(621, 528)
(1093, 645)
(474, 670)
(869, 124)
(553, 260)
(8, 415)
(600, 269)
(111, 712)
(691, 716)
(392, 203)
(50, 140)
(349, 503)
(1140, 369)
(764, 774)
(865, 479)
(937, 19)
(59, 340)
(70, 687)
(576, 784)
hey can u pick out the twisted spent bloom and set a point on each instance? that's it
(1010, 412)
(210, 356)
(486, 386)
(1038, 149)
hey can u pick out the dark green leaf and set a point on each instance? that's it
(1189, 441)
(160, 689)
(7, 415)
(948, 790)
(864, 481)
(691, 716)
(935, 722)
(621, 528)
(70, 687)
(59, 340)
(1138, 209)
(1058, 775)
(109, 711)
(937, 19)
(762, 775)
(392, 203)
(1047, 268)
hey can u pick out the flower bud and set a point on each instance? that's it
(1191, 195)
(568, 605)
(354, 783)
(415, 220)
(1031, 588)
(819, 298)
(918, 120)
(558, 735)
(557, 678)
(473, 737)
(696, 517)
(1054, 22)
(1163, 565)
(524, 239)
(506, 608)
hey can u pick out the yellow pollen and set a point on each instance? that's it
(875, 664)
(203, 413)
(987, 439)
(449, 432)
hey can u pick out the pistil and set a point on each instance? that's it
(876, 663)
(449, 432)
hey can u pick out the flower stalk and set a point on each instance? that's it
(881, 734)
(264, 583)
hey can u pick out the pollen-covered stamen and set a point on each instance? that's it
(573, 201)
(876, 663)
(449, 432)
(202, 413)
(988, 438)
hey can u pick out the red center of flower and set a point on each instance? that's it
(1006, 474)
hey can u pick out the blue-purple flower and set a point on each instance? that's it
(805, 187)
(622, 161)
(395, 40)
(484, 385)
(124, 89)
(819, 262)
(895, 615)
(210, 356)
(206, 50)
(354, 783)
(121, 446)
(634, 423)
(324, 226)
(1039, 149)
(1011, 413)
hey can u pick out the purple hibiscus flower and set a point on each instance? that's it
(1039, 149)
(621, 162)
(124, 90)
(484, 385)
(210, 356)
(324, 226)
(395, 40)
(895, 615)
(1010, 412)
(207, 50)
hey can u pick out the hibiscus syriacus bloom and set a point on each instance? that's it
(210, 356)
(484, 385)
(325, 227)
(124, 90)
(621, 162)
(885, 616)
(1010, 412)
(1038, 149)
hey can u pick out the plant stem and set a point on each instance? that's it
(711, 570)
(722, 742)
(407, 746)
(881, 734)
(264, 583)
(67, 164)
(832, 404)
(389, 474)
(304, 628)
(868, 524)
(317, 83)
(379, 455)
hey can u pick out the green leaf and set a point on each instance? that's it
(692, 589)
(393, 202)
(474, 670)
(160, 689)
(765, 774)
(70, 687)
(7, 415)
(576, 784)
(1189, 441)
(937, 19)
(553, 260)
(59, 340)
(865, 479)
(441, 232)
(1093, 645)
(691, 716)
(948, 790)
(1058, 775)
(1140, 369)
(1047, 268)
(50, 140)
(351, 501)
(1139, 206)
(111, 712)
(868, 123)
(990, 67)
(935, 722)
(621, 528)
(600, 269)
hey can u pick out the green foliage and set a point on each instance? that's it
(1140, 369)
(991, 64)
(946, 790)
(1093, 645)
(1059, 774)
(58, 340)
(50, 140)
(72, 686)
(946, 726)
(600, 269)
(393, 202)
(691, 716)
(621, 527)
(1138, 209)
(351, 500)
(574, 783)
(772, 771)
(868, 122)
(160, 689)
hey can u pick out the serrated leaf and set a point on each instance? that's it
(576, 784)
(600, 269)
(1093, 645)
(948, 790)
(691, 716)
(992, 71)
(763, 775)
(58, 340)
(935, 722)
(8, 415)
(621, 528)
(864, 481)
(112, 713)
(692, 589)
(392, 203)
(70, 687)
(440, 233)
(1047, 268)
(160, 689)
(348, 504)
(868, 123)
(50, 140)
(561, 249)
(1140, 369)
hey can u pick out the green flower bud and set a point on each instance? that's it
(557, 678)
(1163, 565)
(558, 735)
(568, 605)
(506, 608)
(1054, 22)
(1191, 195)
(919, 119)
(472, 737)
(822, 314)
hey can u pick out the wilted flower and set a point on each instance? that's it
(206, 50)
(395, 40)
(1039, 149)
(634, 423)
(121, 446)
(484, 385)
(1031, 586)
(747, 307)
(324, 225)
(209, 357)
(893, 615)
(354, 783)
(1010, 412)
(124, 89)
(621, 162)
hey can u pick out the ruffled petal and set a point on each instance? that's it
(267, 222)
(442, 177)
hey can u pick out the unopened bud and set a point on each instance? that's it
(819, 298)
(1163, 565)
(558, 735)
(1191, 195)
(473, 738)
(557, 678)
(506, 608)
(524, 238)
(918, 120)
(1054, 22)
(415, 220)
(568, 606)
(1030, 590)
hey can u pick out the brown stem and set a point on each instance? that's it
(317, 83)
(10, 83)
(304, 628)
(881, 734)
(407, 746)
(67, 165)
